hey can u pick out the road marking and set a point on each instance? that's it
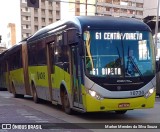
(6, 104)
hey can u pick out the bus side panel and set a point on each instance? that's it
(17, 78)
(2, 77)
(57, 79)
(38, 76)
(158, 83)
(8, 81)
(158, 77)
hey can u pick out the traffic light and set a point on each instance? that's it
(33, 3)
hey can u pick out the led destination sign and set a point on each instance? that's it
(118, 36)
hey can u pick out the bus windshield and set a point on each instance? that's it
(119, 53)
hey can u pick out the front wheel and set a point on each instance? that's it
(121, 111)
(66, 104)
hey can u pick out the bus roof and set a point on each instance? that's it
(2, 55)
(113, 23)
(12, 50)
(15, 47)
(95, 22)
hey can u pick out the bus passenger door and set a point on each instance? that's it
(50, 55)
(76, 77)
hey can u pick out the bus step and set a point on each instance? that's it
(54, 102)
(79, 109)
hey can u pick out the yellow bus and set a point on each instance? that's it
(90, 64)
(3, 70)
(158, 77)
(17, 70)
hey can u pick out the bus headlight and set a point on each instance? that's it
(149, 93)
(95, 95)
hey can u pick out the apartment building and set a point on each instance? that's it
(150, 8)
(126, 8)
(81, 7)
(32, 19)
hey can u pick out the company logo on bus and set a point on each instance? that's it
(119, 88)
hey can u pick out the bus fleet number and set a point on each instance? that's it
(137, 93)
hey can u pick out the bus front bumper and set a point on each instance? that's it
(94, 105)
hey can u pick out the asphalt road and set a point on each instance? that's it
(24, 110)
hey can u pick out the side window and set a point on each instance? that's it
(157, 65)
(4, 66)
(18, 59)
(10, 63)
(1, 71)
(58, 51)
(58, 56)
(41, 53)
(51, 55)
(15, 60)
(32, 57)
(65, 49)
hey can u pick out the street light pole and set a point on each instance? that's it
(86, 7)
(157, 21)
(96, 8)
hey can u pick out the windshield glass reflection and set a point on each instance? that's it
(119, 54)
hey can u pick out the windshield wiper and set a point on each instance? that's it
(135, 65)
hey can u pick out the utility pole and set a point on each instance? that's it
(86, 7)
(96, 8)
(0, 38)
(156, 27)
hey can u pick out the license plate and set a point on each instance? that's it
(123, 105)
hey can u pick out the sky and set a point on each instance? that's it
(3, 14)
(8, 14)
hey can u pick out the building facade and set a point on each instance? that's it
(126, 8)
(150, 8)
(32, 19)
(49, 11)
(81, 7)
(11, 35)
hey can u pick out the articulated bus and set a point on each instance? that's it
(3, 85)
(88, 64)
(17, 70)
(158, 77)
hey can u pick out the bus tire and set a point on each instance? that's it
(35, 96)
(15, 95)
(66, 104)
(121, 111)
